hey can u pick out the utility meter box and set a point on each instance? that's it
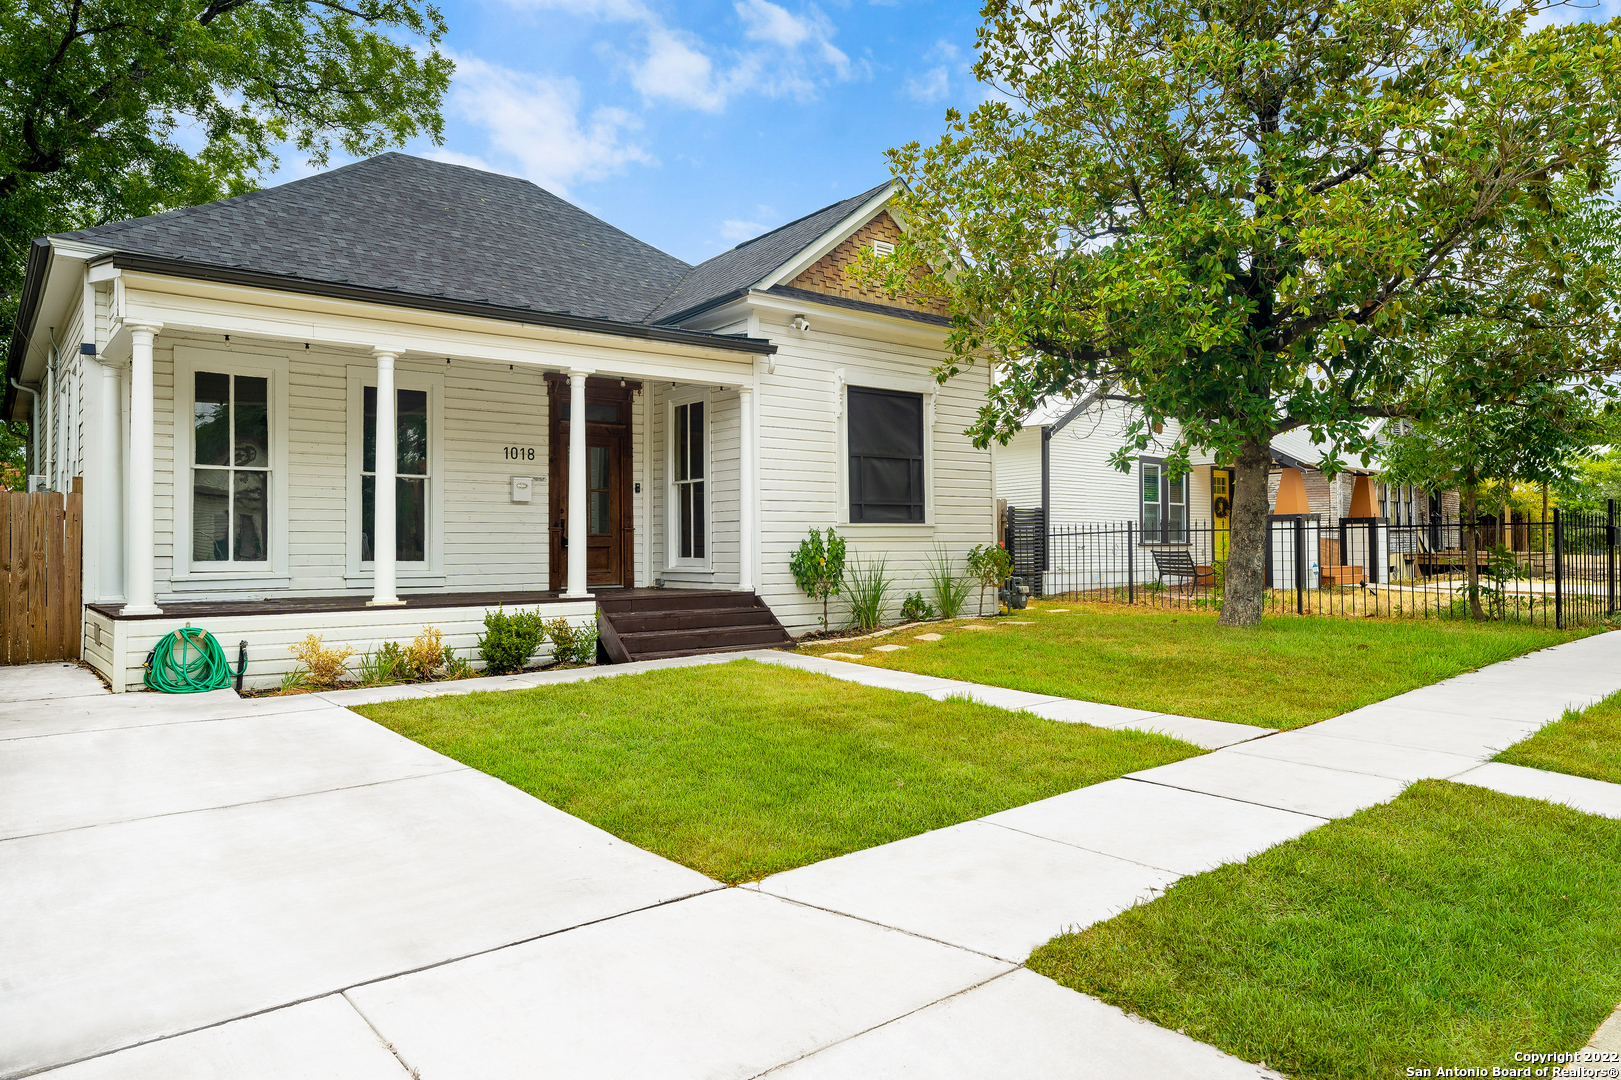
(523, 489)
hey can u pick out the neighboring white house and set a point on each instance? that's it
(213, 375)
(1059, 462)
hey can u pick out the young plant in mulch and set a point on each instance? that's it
(320, 667)
(572, 645)
(914, 608)
(869, 590)
(949, 588)
(818, 567)
(989, 566)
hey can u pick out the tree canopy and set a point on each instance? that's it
(1248, 215)
(112, 109)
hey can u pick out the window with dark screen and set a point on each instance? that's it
(886, 455)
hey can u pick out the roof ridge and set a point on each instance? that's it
(863, 197)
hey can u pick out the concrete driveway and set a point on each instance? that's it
(212, 887)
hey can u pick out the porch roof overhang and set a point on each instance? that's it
(337, 290)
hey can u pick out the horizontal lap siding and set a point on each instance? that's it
(1086, 488)
(317, 456)
(1018, 469)
(799, 463)
(721, 489)
(269, 637)
(489, 541)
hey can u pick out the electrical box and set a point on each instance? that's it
(523, 489)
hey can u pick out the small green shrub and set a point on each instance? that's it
(914, 607)
(869, 590)
(377, 668)
(818, 567)
(989, 565)
(572, 644)
(457, 667)
(949, 588)
(509, 641)
(392, 665)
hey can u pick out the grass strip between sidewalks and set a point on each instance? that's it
(1451, 927)
(741, 770)
(1287, 672)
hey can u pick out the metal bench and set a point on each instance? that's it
(1174, 562)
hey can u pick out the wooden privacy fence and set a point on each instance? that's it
(41, 553)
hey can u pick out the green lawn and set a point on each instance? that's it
(744, 769)
(1453, 926)
(1289, 672)
(1585, 743)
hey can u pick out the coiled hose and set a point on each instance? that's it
(188, 661)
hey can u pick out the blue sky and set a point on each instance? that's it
(696, 125)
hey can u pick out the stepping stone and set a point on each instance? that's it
(1058, 611)
(887, 648)
(841, 656)
(1016, 622)
(978, 628)
(928, 637)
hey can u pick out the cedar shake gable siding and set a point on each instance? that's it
(829, 275)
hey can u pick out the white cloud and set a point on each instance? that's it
(535, 124)
(932, 85)
(783, 53)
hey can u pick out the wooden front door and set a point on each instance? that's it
(610, 525)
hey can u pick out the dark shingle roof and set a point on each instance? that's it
(423, 228)
(749, 262)
(418, 227)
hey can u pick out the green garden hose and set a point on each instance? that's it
(188, 661)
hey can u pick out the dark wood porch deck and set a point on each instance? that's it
(317, 605)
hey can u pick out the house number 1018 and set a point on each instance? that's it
(518, 453)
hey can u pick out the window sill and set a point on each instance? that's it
(206, 582)
(886, 525)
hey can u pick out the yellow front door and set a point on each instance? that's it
(1221, 510)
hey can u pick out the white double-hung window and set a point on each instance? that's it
(689, 474)
(230, 478)
(230, 512)
(1164, 503)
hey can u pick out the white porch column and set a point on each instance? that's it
(387, 449)
(107, 486)
(138, 592)
(576, 534)
(745, 489)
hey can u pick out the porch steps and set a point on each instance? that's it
(683, 622)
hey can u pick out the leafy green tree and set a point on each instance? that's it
(1243, 215)
(1595, 480)
(818, 567)
(112, 109)
(13, 455)
(1536, 437)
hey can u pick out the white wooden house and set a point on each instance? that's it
(1059, 462)
(225, 379)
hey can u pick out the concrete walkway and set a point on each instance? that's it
(211, 887)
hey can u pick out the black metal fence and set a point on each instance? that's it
(1561, 571)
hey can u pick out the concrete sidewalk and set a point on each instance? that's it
(212, 887)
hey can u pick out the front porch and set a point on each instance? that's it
(267, 510)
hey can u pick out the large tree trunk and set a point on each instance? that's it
(1245, 591)
(1471, 547)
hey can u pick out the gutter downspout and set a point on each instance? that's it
(1046, 495)
(33, 430)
